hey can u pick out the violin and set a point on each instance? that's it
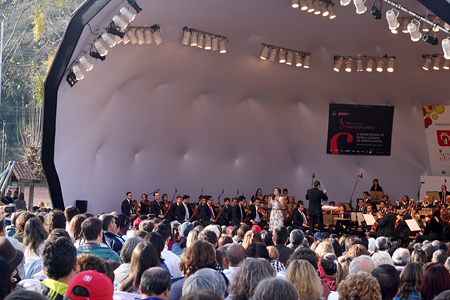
(247, 215)
(135, 204)
(195, 215)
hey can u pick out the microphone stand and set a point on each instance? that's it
(155, 191)
(312, 179)
(358, 179)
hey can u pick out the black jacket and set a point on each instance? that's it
(386, 225)
(297, 218)
(155, 208)
(126, 207)
(236, 216)
(315, 196)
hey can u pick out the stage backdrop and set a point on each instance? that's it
(360, 129)
(437, 127)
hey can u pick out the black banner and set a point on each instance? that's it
(360, 129)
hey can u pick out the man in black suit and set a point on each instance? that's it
(386, 224)
(238, 214)
(207, 213)
(127, 208)
(443, 193)
(174, 208)
(155, 208)
(257, 218)
(361, 207)
(184, 211)
(299, 219)
(315, 197)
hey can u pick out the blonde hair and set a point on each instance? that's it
(305, 279)
(250, 237)
(324, 248)
(357, 250)
(274, 254)
(345, 261)
(359, 286)
(192, 237)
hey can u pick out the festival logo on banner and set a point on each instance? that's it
(437, 127)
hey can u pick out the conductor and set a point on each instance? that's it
(315, 196)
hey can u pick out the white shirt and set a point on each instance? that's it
(172, 261)
(186, 217)
(229, 272)
(257, 219)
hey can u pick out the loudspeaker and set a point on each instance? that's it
(82, 206)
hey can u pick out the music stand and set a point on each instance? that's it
(434, 196)
(376, 195)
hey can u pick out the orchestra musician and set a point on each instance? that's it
(366, 197)
(402, 231)
(155, 207)
(290, 207)
(386, 224)
(299, 217)
(238, 213)
(174, 209)
(361, 207)
(315, 196)
(224, 214)
(433, 229)
(258, 214)
(257, 195)
(184, 211)
(144, 205)
(382, 208)
(127, 207)
(443, 193)
(342, 224)
(376, 186)
(207, 212)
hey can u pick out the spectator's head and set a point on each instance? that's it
(363, 263)
(247, 277)
(401, 257)
(331, 266)
(91, 262)
(304, 253)
(250, 237)
(75, 226)
(59, 259)
(361, 286)
(274, 254)
(419, 255)
(186, 227)
(127, 249)
(258, 250)
(209, 236)
(163, 231)
(275, 289)
(155, 282)
(5, 278)
(436, 279)
(199, 255)
(411, 279)
(21, 220)
(305, 279)
(357, 250)
(205, 279)
(336, 246)
(439, 256)
(381, 243)
(224, 240)
(235, 254)
(296, 237)
(429, 249)
(55, 219)
(156, 240)
(345, 261)
(86, 285)
(324, 248)
(146, 226)
(70, 212)
(350, 241)
(34, 235)
(382, 258)
(445, 295)
(192, 237)
(202, 295)
(25, 294)
(91, 228)
(280, 235)
(389, 281)
(266, 238)
(109, 224)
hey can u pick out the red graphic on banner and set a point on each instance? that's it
(333, 142)
(443, 137)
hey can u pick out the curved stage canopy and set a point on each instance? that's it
(171, 115)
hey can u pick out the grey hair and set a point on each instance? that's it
(382, 258)
(128, 247)
(417, 246)
(205, 279)
(296, 237)
(439, 256)
(362, 263)
(401, 257)
(381, 243)
(275, 289)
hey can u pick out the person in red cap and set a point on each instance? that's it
(256, 228)
(90, 285)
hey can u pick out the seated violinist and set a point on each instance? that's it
(433, 229)
(144, 205)
(290, 207)
(258, 214)
(299, 217)
(224, 212)
(342, 225)
(361, 207)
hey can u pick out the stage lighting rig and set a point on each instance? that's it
(376, 10)
(114, 31)
(135, 6)
(430, 39)
(96, 55)
(71, 78)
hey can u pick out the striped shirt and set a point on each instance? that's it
(102, 252)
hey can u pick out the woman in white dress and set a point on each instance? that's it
(277, 205)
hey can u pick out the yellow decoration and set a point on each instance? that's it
(428, 110)
(439, 109)
(435, 116)
(427, 115)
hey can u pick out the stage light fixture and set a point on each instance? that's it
(290, 58)
(437, 63)
(345, 2)
(338, 61)
(126, 39)
(148, 36)
(108, 39)
(71, 78)
(390, 65)
(446, 47)
(119, 22)
(194, 39)
(348, 65)
(380, 65)
(438, 22)
(116, 34)
(295, 4)
(126, 13)
(317, 7)
(306, 61)
(156, 34)
(405, 22)
(207, 42)
(413, 29)
(391, 17)
(310, 6)
(135, 6)
(201, 40)
(131, 33)
(186, 36)
(375, 10)
(140, 36)
(97, 55)
(360, 6)
(86, 64)
(303, 5)
(100, 48)
(430, 39)
(281, 56)
(222, 46)
(332, 15)
(77, 71)
(359, 65)
(426, 26)
(298, 60)
(370, 63)
(326, 10)
(426, 65)
(264, 53)
(447, 26)
(215, 44)
(446, 65)
(273, 54)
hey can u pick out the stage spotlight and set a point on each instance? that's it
(77, 71)
(295, 4)
(360, 6)
(390, 65)
(405, 22)
(437, 63)
(119, 22)
(264, 53)
(446, 26)
(380, 65)
(108, 39)
(207, 42)
(86, 64)
(134, 5)
(273, 54)
(446, 47)
(126, 39)
(215, 44)
(345, 2)
(222, 46)
(376, 12)
(332, 15)
(446, 65)
(348, 65)
(298, 60)
(370, 63)
(426, 65)
(290, 58)
(281, 56)
(306, 61)
(71, 79)
(100, 48)
(391, 17)
(156, 34)
(131, 36)
(426, 26)
(186, 36)
(413, 29)
(430, 40)
(97, 55)
(438, 22)
(359, 65)
(303, 5)
(140, 36)
(317, 7)
(125, 12)
(148, 36)
(338, 61)
(201, 40)
(310, 6)
(194, 39)
(116, 34)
